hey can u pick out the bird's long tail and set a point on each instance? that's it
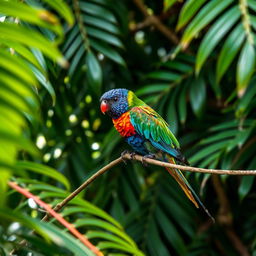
(188, 190)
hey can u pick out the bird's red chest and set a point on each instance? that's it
(124, 126)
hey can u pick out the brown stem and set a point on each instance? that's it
(153, 20)
(225, 217)
(59, 206)
(188, 168)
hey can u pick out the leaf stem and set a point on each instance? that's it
(81, 26)
(246, 20)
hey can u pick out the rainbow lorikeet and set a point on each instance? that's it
(147, 133)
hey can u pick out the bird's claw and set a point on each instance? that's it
(123, 156)
(132, 154)
(143, 160)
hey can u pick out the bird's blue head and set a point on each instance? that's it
(114, 102)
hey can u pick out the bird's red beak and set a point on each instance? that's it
(104, 106)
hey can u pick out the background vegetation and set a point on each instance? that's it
(193, 61)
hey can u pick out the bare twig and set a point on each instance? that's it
(154, 21)
(189, 168)
(59, 206)
(128, 156)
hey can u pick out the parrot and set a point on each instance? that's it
(147, 133)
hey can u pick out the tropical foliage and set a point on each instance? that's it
(193, 61)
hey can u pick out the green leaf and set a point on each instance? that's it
(247, 99)
(104, 225)
(101, 24)
(15, 65)
(111, 245)
(153, 88)
(107, 236)
(219, 136)
(168, 4)
(164, 75)
(45, 170)
(63, 9)
(245, 67)
(104, 36)
(108, 51)
(170, 231)
(215, 34)
(208, 151)
(14, 32)
(98, 11)
(94, 72)
(188, 11)
(245, 186)
(178, 66)
(24, 12)
(46, 83)
(19, 141)
(182, 105)
(172, 114)
(229, 50)
(197, 95)
(203, 18)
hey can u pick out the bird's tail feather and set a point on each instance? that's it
(188, 190)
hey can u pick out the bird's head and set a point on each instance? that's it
(114, 102)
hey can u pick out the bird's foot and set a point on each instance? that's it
(132, 154)
(123, 156)
(151, 156)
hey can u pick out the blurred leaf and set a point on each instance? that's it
(24, 12)
(245, 186)
(94, 71)
(168, 4)
(197, 95)
(188, 11)
(202, 19)
(215, 34)
(245, 67)
(30, 38)
(229, 50)
(98, 11)
(45, 170)
(182, 105)
(63, 9)
(108, 51)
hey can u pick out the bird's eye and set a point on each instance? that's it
(115, 99)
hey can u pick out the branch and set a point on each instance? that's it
(136, 157)
(188, 168)
(59, 206)
(139, 158)
(57, 216)
(153, 20)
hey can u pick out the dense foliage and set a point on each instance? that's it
(193, 61)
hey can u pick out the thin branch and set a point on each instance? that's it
(57, 216)
(153, 20)
(243, 5)
(139, 158)
(81, 26)
(236, 241)
(59, 206)
(188, 168)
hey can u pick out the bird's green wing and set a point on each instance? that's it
(149, 124)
